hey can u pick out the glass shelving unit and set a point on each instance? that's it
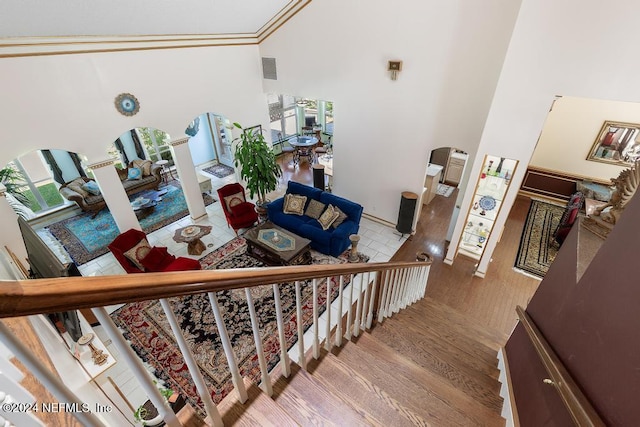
(493, 183)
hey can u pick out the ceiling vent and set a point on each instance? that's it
(269, 68)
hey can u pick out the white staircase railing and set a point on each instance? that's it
(382, 288)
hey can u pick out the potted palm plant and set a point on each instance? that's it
(259, 167)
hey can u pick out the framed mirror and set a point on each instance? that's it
(617, 143)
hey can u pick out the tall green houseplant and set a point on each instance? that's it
(259, 167)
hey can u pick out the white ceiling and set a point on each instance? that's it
(43, 18)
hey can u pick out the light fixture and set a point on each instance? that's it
(394, 67)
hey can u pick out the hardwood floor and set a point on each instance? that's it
(490, 301)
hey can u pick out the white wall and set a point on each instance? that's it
(559, 47)
(384, 130)
(201, 144)
(73, 97)
(570, 131)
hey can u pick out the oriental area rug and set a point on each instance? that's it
(537, 249)
(145, 326)
(85, 238)
(219, 170)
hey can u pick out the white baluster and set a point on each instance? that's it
(372, 298)
(427, 269)
(284, 355)
(316, 333)
(405, 288)
(302, 360)
(192, 365)
(328, 341)
(350, 310)
(365, 301)
(403, 301)
(339, 317)
(395, 289)
(358, 318)
(236, 378)
(384, 296)
(416, 284)
(136, 366)
(266, 380)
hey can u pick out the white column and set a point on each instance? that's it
(115, 195)
(188, 178)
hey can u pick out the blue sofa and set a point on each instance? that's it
(333, 241)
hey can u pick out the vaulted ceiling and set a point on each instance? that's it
(54, 18)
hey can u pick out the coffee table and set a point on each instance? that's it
(144, 202)
(274, 245)
(143, 207)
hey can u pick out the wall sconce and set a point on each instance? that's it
(394, 67)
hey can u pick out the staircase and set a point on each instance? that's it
(427, 365)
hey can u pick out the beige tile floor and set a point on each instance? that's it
(378, 241)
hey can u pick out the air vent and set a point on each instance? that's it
(269, 68)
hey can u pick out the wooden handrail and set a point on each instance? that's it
(579, 407)
(27, 297)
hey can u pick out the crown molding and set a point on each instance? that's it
(67, 45)
(178, 141)
(101, 164)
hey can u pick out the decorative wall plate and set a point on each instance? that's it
(127, 104)
(487, 203)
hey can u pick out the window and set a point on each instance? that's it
(282, 113)
(156, 144)
(31, 178)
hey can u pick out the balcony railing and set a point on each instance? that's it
(376, 291)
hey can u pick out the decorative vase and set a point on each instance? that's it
(353, 256)
(262, 210)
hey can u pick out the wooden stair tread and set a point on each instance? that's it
(443, 314)
(422, 390)
(459, 334)
(469, 355)
(477, 385)
(364, 396)
(309, 403)
(258, 410)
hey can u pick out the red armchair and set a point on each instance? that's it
(239, 212)
(133, 252)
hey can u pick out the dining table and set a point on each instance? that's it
(303, 146)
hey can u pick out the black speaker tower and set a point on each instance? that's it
(407, 209)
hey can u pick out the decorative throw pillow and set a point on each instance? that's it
(76, 185)
(91, 187)
(134, 173)
(294, 204)
(234, 200)
(341, 217)
(328, 217)
(157, 259)
(143, 165)
(315, 209)
(137, 253)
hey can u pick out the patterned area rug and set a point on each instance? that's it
(445, 190)
(86, 238)
(537, 251)
(219, 170)
(145, 326)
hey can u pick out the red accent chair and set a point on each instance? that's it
(135, 255)
(239, 212)
(568, 218)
